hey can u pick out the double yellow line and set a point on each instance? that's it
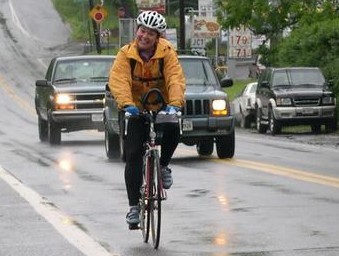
(283, 171)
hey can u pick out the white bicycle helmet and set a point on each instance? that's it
(153, 20)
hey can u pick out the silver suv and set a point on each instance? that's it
(207, 119)
(294, 96)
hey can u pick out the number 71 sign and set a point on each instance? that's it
(240, 43)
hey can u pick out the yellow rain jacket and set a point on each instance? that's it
(128, 90)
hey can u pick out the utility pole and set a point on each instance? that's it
(182, 24)
(95, 30)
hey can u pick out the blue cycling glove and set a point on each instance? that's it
(172, 109)
(132, 110)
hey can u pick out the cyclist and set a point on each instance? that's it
(155, 65)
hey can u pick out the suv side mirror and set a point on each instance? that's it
(265, 84)
(41, 83)
(226, 82)
(330, 83)
(108, 93)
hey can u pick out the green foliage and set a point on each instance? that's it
(66, 7)
(76, 14)
(260, 16)
(316, 44)
(129, 6)
(272, 18)
(314, 40)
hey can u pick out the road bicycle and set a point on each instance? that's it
(152, 191)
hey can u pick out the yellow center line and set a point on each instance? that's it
(20, 101)
(262, 167)
(283, 171)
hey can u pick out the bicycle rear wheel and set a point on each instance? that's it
(146, 194)
(155, 202)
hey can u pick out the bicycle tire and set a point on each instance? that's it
(146, 195)
(155, 202)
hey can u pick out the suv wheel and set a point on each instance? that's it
(245, 121)
(205, 147)
(331, 126)
(43, 129)
(316, 128)
(112, 145)
(261, 128)
(274, 124)
(225, 145)
(54, 132)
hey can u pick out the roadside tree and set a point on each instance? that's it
(314, 44)
(272, 17)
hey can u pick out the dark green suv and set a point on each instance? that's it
(294, 96)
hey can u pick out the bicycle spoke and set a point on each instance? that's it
(156, 202)
(145, 217)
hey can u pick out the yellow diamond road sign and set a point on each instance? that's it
(98, 13)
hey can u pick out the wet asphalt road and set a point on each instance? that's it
(276, 197)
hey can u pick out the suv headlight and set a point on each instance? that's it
(328, 100)
(284, 102)
(64, 101)
(219, 107)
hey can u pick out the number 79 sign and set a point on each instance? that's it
(240, 43)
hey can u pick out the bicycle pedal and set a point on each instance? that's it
(133, 226)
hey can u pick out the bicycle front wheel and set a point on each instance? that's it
(155, 202)
(146, 195)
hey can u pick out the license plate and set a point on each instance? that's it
(307, 111)
(187, 125)
(97, 117)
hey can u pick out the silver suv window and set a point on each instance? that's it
(198, 72)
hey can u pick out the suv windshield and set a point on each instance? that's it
(298, 77)
(198, 72)
(83, 70)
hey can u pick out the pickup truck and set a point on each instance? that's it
(71, 97)
(206, 119)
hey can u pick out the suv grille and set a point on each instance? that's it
(197, 107)
(88, 101)
(306, 102)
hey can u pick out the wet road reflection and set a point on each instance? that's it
(66, 171)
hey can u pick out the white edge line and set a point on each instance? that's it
(42, 63)
(16, 20)
(43, 207)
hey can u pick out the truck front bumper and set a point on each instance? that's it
(211, 126)
(299, 113)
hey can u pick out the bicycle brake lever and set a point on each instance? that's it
(179, 115)
(127, 116)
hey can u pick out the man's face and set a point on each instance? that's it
(146, 38)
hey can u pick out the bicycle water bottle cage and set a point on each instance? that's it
(153, 100)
